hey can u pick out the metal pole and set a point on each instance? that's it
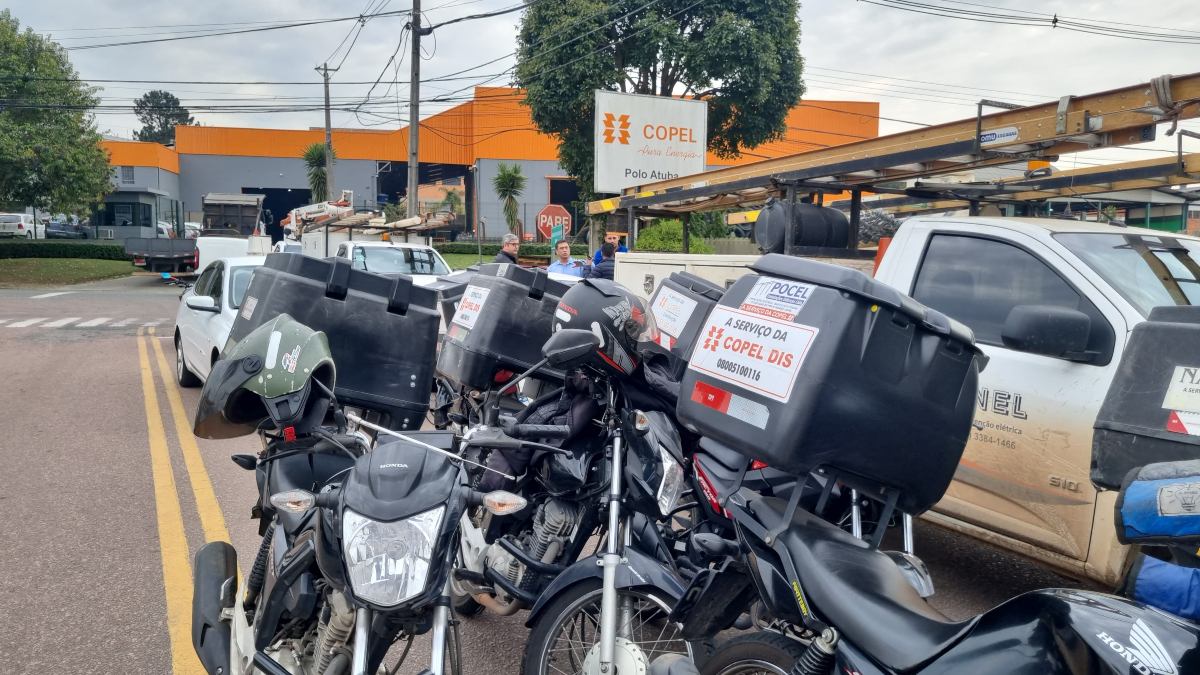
(855, 218)
(629, 227)
(687, 226)
(324, 70)
(789, 222)
(414, 115)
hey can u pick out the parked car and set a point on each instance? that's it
(421, 262)
(59, 229)
(287, 246)
(21, 225)
(205, 316)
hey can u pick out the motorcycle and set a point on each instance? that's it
(357, 543)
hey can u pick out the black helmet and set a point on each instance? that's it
(271, 374)
(618, 317)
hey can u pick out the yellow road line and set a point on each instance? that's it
(211, 518)
(172, 541)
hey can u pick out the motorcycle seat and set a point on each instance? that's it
(860, 591)
(727, 456)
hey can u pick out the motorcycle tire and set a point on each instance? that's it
(575, 601)
(758, 653)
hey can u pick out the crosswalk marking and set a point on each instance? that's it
(49, 295)
(152, 323)
(122, 323)
(60, 322)
(3, 321)
(26, 323)
(94, 322)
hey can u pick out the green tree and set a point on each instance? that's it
(50, 152)
(160, 112)
(509, 183)
(452, 201)
(666, 236)
(314, 165)
(741, 57)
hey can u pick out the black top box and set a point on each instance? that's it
(807, 365)
(382, 330)
(504, 316)
(680, 305)
(1152, 410)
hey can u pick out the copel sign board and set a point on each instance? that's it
(643, 139)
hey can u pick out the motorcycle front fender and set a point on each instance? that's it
(636, 571)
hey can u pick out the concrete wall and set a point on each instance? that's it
(535, 196)
(219, 173)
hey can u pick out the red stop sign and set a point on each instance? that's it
(551, 215)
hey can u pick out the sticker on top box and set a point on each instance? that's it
(756, 353)
(671, 310)
(738, 407)
(1183, 392)
(470, 305)
(778, 298)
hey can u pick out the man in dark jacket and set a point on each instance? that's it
(509, 246)
(607, 265)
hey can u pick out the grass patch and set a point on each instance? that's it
(59, 271)
(461, 261)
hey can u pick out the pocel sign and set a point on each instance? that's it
(643, 139)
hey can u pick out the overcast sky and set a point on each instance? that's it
(920, 67)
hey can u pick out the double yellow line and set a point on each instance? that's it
(172, 536)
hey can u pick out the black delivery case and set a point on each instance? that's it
(382, 330)
(680, 305)
(1152, 410)
(505, 315)
(808, 365)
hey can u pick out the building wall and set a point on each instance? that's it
(535, 196)
(222, 173)
(149, 177)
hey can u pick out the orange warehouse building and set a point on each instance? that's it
(460, 150)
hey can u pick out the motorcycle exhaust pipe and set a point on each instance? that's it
(493, 605)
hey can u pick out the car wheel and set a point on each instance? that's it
(184, 376)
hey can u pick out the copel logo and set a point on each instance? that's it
(616, 124)
(713, 338)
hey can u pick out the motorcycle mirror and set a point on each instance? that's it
(569, 347)
(293, 501)
(502, 503)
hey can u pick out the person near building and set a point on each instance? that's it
(510, 244)
(563, 262)
(610, 238)
(607, 265)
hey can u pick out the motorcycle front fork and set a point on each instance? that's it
(437, 657)
(610, 561)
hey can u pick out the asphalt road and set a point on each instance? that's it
(107, 496)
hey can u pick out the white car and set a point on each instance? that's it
(287, 246)
(419, 261)
(21, 225)
(206, 314)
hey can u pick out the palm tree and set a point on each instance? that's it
(509, 183)
(314, 164)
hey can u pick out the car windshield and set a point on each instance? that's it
(397, 260)
(1147, 270)
(239, 280)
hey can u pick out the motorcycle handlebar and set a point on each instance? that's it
(538, 430)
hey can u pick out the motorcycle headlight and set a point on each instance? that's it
(672, 482)
(389, 562)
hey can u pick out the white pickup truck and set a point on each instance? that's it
(1024, 480)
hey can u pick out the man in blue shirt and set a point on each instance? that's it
(615, 240)
(564, 263)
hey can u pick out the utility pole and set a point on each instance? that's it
(414, 118)
(325, 70)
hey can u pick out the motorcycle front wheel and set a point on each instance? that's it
(566, 636)
(759, 653)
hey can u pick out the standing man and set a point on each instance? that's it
(608, 263)
(564, 263)
(610, 238)
(510, 244)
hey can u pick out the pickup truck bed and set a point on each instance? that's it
(161, 254)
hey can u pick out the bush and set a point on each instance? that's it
(490, 250)
(60, 249)
(666, 236)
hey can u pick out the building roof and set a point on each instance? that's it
(141, 153)
(495, 124)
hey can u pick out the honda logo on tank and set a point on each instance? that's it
(643, 139)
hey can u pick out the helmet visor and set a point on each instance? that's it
(223, 392)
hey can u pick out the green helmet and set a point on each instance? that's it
(268, 375)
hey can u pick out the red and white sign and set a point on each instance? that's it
(551, 215)
(755, 353)
(779, 298)
(671, 310)
(470, 305)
